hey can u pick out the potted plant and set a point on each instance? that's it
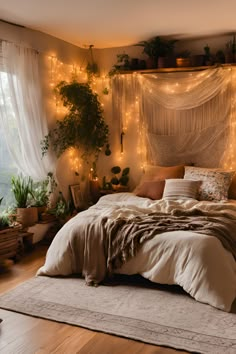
(123, 63)
(183, 59)
(83, 127)
(40, 196)
(156, 49)
(22, 189)
(5, 220)
(8, 237)
(231, 51)
(120, 181)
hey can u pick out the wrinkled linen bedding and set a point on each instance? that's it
(197, 262)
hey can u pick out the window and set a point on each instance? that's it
(7, 165)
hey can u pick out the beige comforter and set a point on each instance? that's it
(198, 263)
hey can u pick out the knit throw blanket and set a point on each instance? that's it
(125, 236)
(122, 238)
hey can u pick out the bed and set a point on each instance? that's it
(200, 263)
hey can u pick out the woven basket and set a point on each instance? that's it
(8, 242)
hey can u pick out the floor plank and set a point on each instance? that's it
(20, 334)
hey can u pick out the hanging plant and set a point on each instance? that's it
(83, 127)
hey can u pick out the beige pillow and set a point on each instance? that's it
(151, 189)
(181, 189)
(158, 173)
(215, 182)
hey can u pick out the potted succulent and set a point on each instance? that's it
(22, 188)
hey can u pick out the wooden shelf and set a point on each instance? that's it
(176, 69)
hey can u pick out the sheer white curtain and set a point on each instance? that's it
(187, 117)
(20, 92)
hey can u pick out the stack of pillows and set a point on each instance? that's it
(187, 182)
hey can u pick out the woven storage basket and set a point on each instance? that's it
(8, 242)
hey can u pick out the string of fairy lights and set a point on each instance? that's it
(130, 110)
(101, 85)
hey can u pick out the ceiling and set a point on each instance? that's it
(115, 23)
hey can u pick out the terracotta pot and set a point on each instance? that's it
(183, 62)
(27, 216)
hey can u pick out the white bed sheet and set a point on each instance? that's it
(198, 263)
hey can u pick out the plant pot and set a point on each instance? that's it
(183, 62)
(229, 58)
(151, 63)
(197, 60)
(163, 62)
(27, 216)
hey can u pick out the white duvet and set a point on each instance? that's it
(198, 263)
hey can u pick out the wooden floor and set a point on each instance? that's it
(28, 335)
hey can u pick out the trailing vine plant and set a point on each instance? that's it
(83, 127)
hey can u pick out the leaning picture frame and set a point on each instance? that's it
(76, 195)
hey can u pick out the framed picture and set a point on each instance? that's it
(76, 195)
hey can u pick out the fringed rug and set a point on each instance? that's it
(137, 310)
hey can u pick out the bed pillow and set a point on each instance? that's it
(214, 182)
(151, 189)
(159, 173)
(181, 189)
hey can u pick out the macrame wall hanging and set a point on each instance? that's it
(183, 117)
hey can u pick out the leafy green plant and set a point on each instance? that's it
(184, 54)
(22, 188)
(123, 63)
(118, 179)
(40, 195)
(62, 208)
(83, 127)
(4, 218)
(157, 47)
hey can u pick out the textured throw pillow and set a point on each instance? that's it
(151, 189)
(214, 182)
(181, 189)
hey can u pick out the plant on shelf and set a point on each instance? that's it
(119, 180)
(83, 127)
(123, 63)
(230, 55)
(157, 47)
(183, 59)
(22, 188)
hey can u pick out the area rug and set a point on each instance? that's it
(153, 314)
